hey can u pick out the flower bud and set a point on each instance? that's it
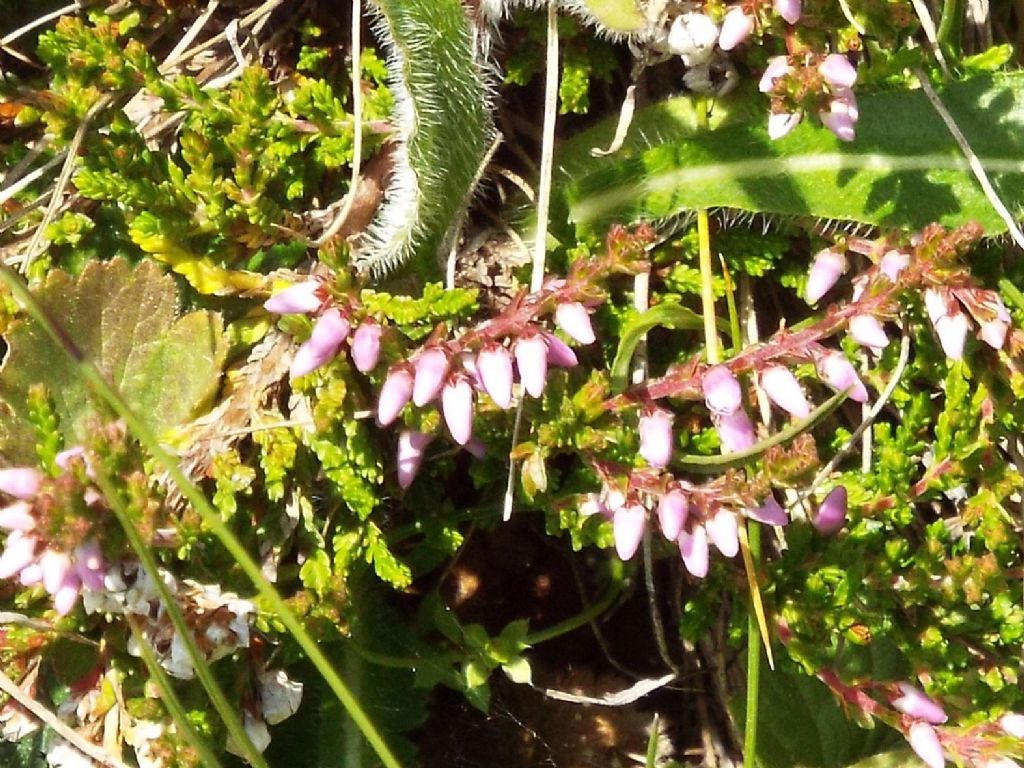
(925, 743)
(591, 504)
(673, 510)
(89, 565)
(778, 66)
(411, 447)
(431, 367)
(839, 373)
(828, 265)
(56, 566)
(476, 448)
(840, 121)
(531, 353)
(656, 437)
(868, 332)
(831, 515)
(784, 390)
(788, 10)
(299, 298)
(693, 547)
(1013, 724)
(572, 317)
(396, 392)
(329, 332)
(893, 263)
(781, 123)
(919, 706)
(993, 333)
(628, 528)
(723, 530)
(494, 364)
(936, 303)
(952, 332)
(735, 431)
(17, 517)
(692, 37)
(722, 391)
(20, 482)
(366, 345)
(736, 27)
(838, 71)
(560, 354)
(19, 552)
(31, 575)
(66, 595)
(457, 406)
(769, 513)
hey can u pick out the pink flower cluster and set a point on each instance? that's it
(330, 329)
(740, 21)
(32, 559)
(828, 85)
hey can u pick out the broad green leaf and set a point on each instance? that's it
(904, 170)
(125, 320)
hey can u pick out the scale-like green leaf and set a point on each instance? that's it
(126, 321)
(904, 169)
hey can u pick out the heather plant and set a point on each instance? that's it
(528, 383)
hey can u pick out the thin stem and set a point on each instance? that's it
(63, 11)
(181, 627)
(753, 658)
(652, 605)
(707, 288)
(210, 517)
(547, 152)
(950, 24)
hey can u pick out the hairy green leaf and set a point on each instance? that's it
(126, 321)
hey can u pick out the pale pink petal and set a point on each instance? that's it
(722, 391)
(735, 431)
(17, 517)
(300, 298)
(457, 407)
(591, 504)
(90, 566)
(723, 530)
(831, 515)
(476, 448)
(431, 370)
(531, 353)
(952, 332)
(736, 27)
(769, 513)
(573, 318)
(839, 373)
(673, 510)
(19, 552)
(656, 437)
(838, 71)
(893, 263)
(560, 354)
(916, 704)
(868, 332)
(693, 546)
(994, 333)
(66, 596)
(31, 575)
(396, 392)
(828, 266)
(777, 67)
(20, 482)
(329, 332)
(925, 742)
(1013, 724)
(840, 123)
(56, 566)
(494, 364)
(788, 10)
(366, 345)
(783, 389)
(411, 447)
(781, 123)
(628, 527)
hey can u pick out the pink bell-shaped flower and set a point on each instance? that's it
(628, 528)
(396, 392)
(735, 431)
(893, 263)
(411, 447)
(66, 595)
(90, 566)
(1012, 724)
(918, 705)
(778, 66)
(17, 517)
(828, 266)
(656, 437)
(838, 71)
(366, 345)
(431, 367)
(840, 122)
(20, 482)
(993, 333)
(531, 353)
(868, 332)
(937, 302)
(693, 547)
(769, 513)
(300, 298)
(788, 9)
(573, 318)
(329, 332)
(781, 123)
(736, 27)
(457, 406)
(560, 354)
(839, 373)
(673, 510)
(494, 365)
(783, 389)
(723, 530)
(722, 391)
(56, 566)
(925, 742)
(952, 332)
(18, 553)
(831, 516)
